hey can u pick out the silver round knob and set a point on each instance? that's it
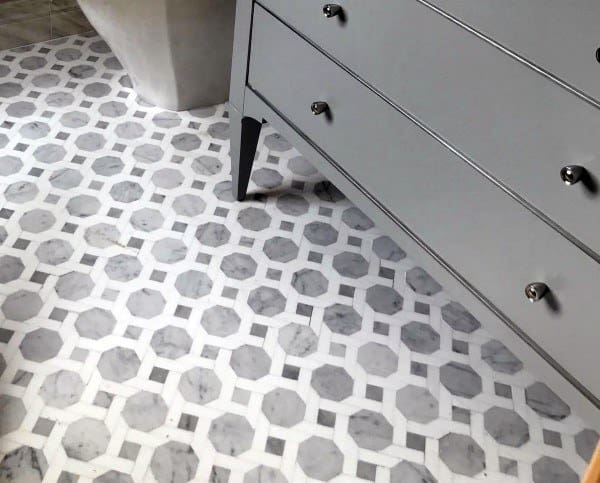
(536, 291)
(331, 10)
(572, 174)
(318, 107)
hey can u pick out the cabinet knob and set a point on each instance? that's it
(572, 174)
(331, 10)
(318, 107)
(536, 291)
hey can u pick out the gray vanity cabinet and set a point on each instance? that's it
(455, 149)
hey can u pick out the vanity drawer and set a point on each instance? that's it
(516, 124)
(495, 243)
(560, 36)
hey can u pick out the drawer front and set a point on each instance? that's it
(495, 243)
(519, 126)
(560, 36)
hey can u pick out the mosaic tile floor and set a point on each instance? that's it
(153, 330)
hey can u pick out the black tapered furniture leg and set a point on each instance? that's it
(244, 132)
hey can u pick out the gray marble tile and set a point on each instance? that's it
(238, 266)
(11, 268)
(499, 358)
(37, 221)
(62, 389)
(356, 219)
(506, 426)
(147, 220)
(266, 301)
(74, 286)
(377, 359)
(420, 337)
(40, 345)
(169, 250)
(320, 458)
(86, 439)
(342, 319)
(188, 205)
(267, 178)
(123, 268)
(332, 382)
(95, 323)
(146, 303)
(108, 166)
(265, 474)
(231, 434)
(277, 142)
(370, 430)
(417, 404)
(12, 413)
(21, 305)
(102, 235)
(309, 282)
(145, 411)
(113, 476)
(21, 192)
(585, 443)
(171, 342)
(409, 472)
(384, 299)
(298, 340)
(548, 469)
(545, 402)
(462, 454)
(24, 464)
(250, 362)
(174, 462)
(460, 379)
(283, 407)
(320, 233)
(220, 321)
(280, 249)
(119, 364)
(199, 385)
(289, 203)
(167, 178)
(212, 234)
(65, 179)
(351, 265)
(459, 318)
(126, 192)
(254, 219)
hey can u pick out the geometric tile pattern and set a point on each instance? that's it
(152, 329)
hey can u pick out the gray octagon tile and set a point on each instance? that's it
(420, 337)
(174, 462)
(119, 364)
(545, 402)
(309, 282)
(384, 299)
(342, 319)
(11, 268)
(40, 345)
(409, 472)
(199, 385)
(95, 323)
(22, 305)
(421, 282)
(283, 407)
(74, 286)
(370, 430)
(585, 443)
(332, 382)
(351, 265)
(264, 474)
(220, 321)
(320, 458)
(387, 249)
(266, 301)
(460, 379)
(499, 358)
(459, 318)
(24, 464)
(548, 469)
(145, 411)
(238, 266)
(86, 439)
(171, 342)
(255, 219)
(506, 426)
(62, 389)
(377, 359)
(231, 434)
(462, 454)
(146, 303)
(37, 221)
(123, 268)
(280, 249)
(112, 476)
(298, 340)
(417, 404)
(193, 284)
(250, 362)
(54, 251)
(13, 412)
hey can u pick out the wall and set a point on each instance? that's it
(23, 22)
